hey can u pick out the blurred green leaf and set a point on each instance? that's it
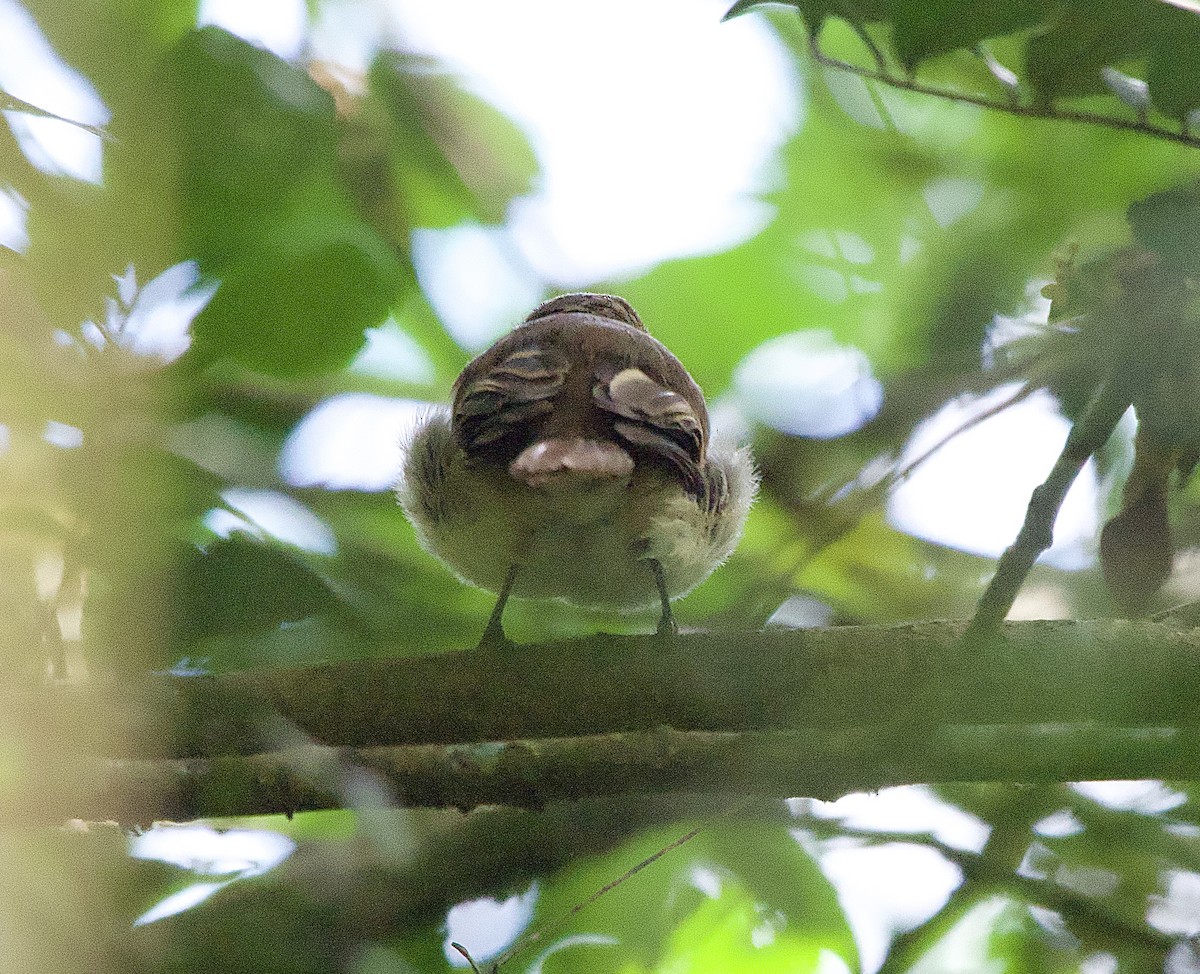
(453, 156)
(1016, 942)
(243, 586)
(750, 876)
(1173, 76)
(1084, 36)
(251, 130)
(1168, 223)
(926, 30)
(782, 879)
(302, 303)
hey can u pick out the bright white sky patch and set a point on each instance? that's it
(806, 384)
(277, 25)
(476, 279)
(886, 888)
(30, 69)
(392, 353)
(1059, 824)
(57, 148)
(910, 808)
(350, 442)
(61, 435)
(229, 855)
(1145, 797)
(13, 211)
(653, 121)
(1178, 912)
(972, 493)
(485, 927)
(893, 886)
(277, 514)
(161, 312)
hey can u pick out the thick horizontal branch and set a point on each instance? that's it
(533, 773)
(1125, 674)
(815, 712)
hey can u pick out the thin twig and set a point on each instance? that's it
(1183, 616)
(533, 937)
(857, 23)
(466, 955)
(526, 942)
(885, 114)
(1090, 432)
(1012, 108)
(11, 103)
(900, 474)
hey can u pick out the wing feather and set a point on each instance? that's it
(498, 405)
(657, 421)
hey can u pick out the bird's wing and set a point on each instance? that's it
(654, 420)
(499, 403)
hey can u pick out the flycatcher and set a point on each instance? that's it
(575, 464)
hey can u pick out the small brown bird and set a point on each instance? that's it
(575, 464)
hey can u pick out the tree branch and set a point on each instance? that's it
(11, 103)
(1045, 113)
(1132, 674)
(533, 773)
(816, 712)
(1090, 432)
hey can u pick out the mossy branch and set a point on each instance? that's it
(817, 712)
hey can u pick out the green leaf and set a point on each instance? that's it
(659, 916)
(454, 156)
(1174, 76)
(927, 29)
(776, 872)
(629, 925)
(240, 585)
(1169, 224)
(732, 933)
(249, 128)
(301, 303)
(1084, 36)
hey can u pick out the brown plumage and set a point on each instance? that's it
(575, 464)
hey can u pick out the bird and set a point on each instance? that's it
(575, 463)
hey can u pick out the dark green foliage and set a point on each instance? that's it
(300, 302)
(1168, 224)
(253, 133)
(1065, 44)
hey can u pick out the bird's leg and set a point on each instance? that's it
(493, 635)
(666, 623)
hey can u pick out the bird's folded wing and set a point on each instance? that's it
(657, 421)
(498, 404)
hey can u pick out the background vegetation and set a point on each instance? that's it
(296, 194)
